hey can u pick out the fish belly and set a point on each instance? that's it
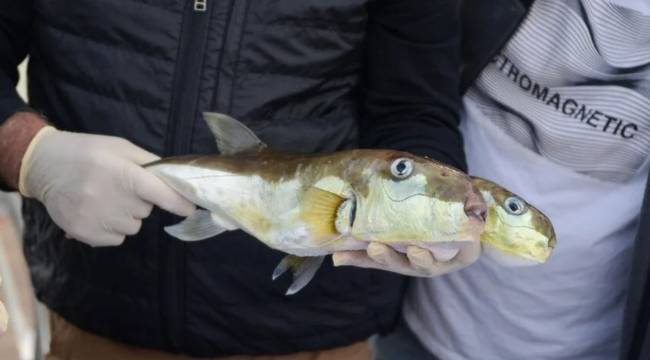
(267, 210)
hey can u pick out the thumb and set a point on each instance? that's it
(152, 189)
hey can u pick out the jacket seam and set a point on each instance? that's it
(334, 115)
(172, 94)
(310, 24)
(147, 3)
(218, 77)
(319, 78)
(85, 37)
(80, 86)
(236, 65)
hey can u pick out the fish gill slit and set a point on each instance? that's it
(353, 212)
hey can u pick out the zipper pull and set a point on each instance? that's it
(200, 5)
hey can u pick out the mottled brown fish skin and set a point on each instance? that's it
(539, 220)
(529, 234)
(445, 182)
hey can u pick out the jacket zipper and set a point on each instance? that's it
(183, 111)
(200, 5)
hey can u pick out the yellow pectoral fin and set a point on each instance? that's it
(318, 211)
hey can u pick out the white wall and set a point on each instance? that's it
(22, 84)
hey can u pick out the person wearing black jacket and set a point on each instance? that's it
(113, 83)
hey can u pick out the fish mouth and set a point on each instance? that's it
(475, 206)
(552, 242)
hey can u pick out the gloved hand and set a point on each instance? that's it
(417, 262)
(4, 317)
(93, 186)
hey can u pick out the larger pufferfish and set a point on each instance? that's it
(311, 205)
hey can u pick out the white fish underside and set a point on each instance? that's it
(268, 211)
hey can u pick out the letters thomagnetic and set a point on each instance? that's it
(570, 107)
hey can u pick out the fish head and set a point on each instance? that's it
(516, 233)
(408, 200)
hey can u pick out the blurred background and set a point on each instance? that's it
(25, 326)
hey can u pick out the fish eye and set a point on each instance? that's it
(515, 206)
(401, 168)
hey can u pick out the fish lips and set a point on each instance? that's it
(475, 206)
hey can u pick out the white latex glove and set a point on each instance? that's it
(416, 262)
(4, 317)
(93, 186)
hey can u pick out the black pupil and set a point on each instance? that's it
(401, 167)
(514, 206)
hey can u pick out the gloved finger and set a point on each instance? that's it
(468, 254)
(137, 154)
(385, 255)
(465, 256)
(140, 209)
(152, 189)
(126, 226)
(425, 265)
(421, 259)
(361, 259)
(4, 318)
(444, 253)
(377, 256)
(356, 258)
(101, 239)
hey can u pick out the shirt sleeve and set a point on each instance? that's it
(15, 35)
(411, 92)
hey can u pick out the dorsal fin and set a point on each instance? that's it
(232, 136)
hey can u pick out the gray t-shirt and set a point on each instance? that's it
(573, 85)
(562, 117)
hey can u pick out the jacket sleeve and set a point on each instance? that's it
(635, 336)
(410, 90)
(15, 35)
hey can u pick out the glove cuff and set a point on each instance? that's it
(25, 163)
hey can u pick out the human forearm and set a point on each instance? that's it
(411, 91)
(15, 135)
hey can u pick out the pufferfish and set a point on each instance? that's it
(311, 205)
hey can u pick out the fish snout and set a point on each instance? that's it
(475, 206)
(552, 241)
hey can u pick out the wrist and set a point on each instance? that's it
(27, 160)
(16, 134)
